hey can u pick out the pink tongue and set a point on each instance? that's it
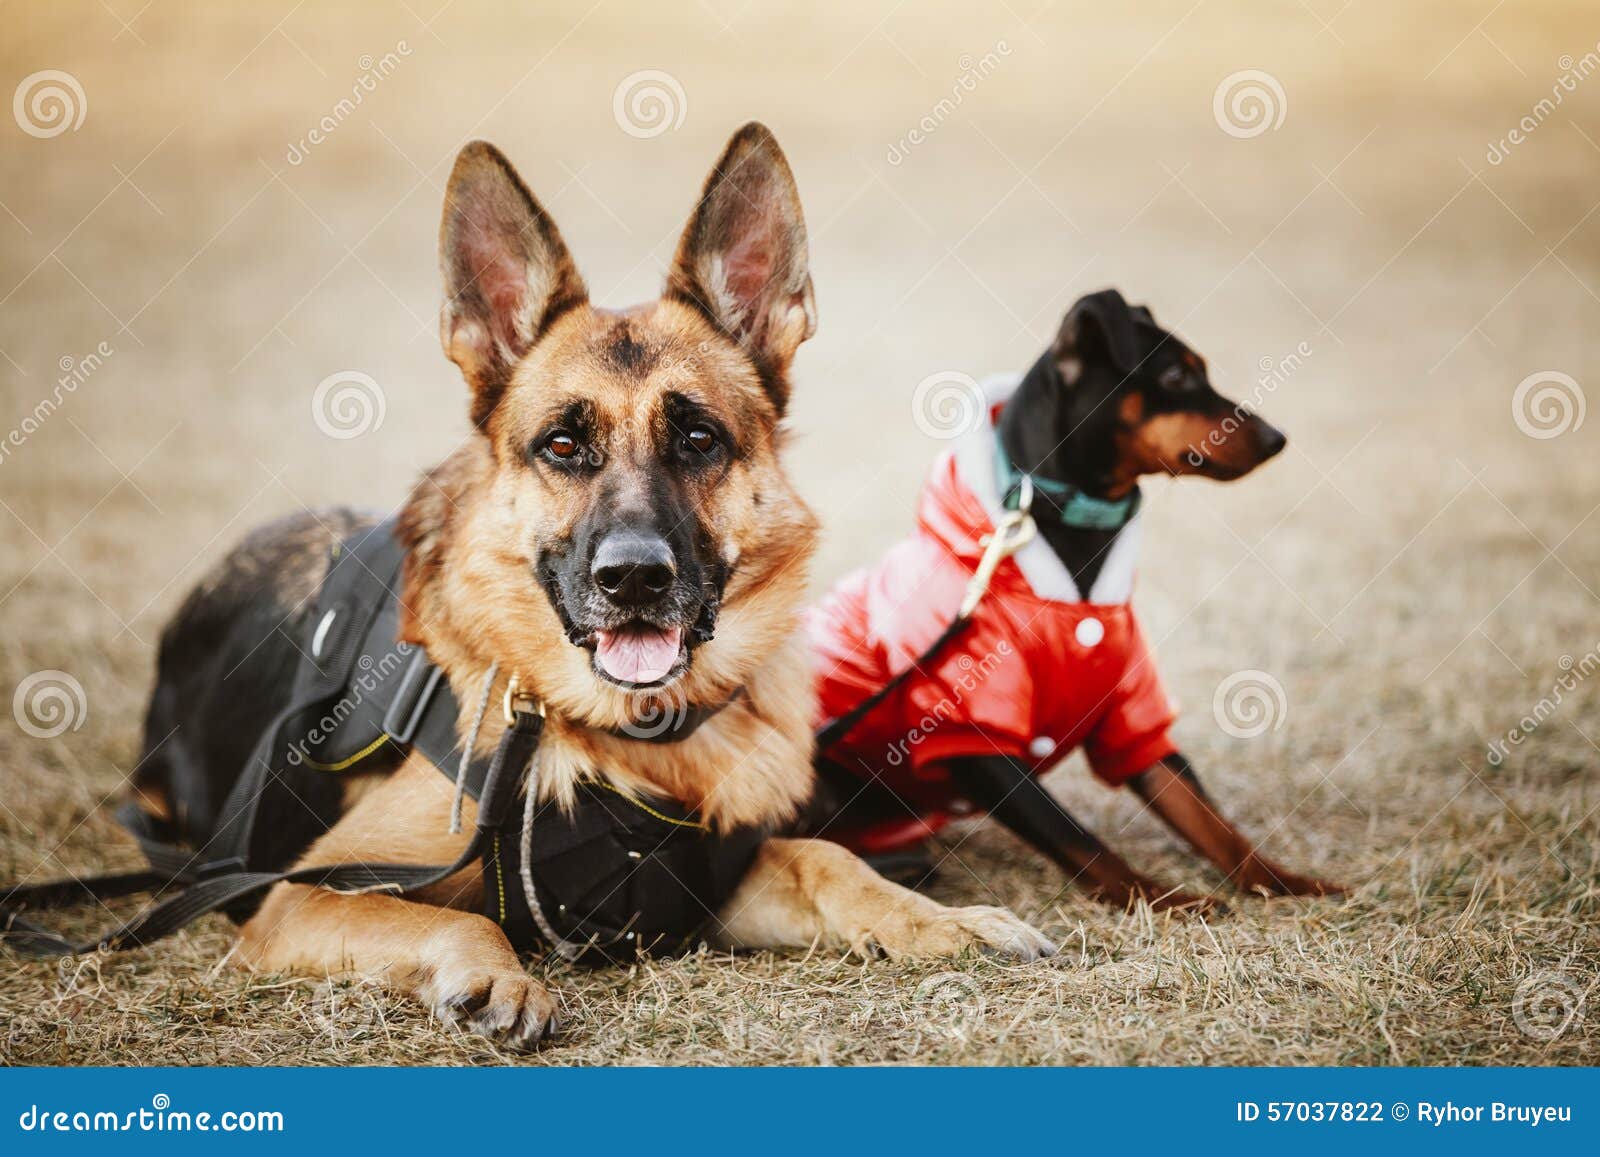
(638, 654)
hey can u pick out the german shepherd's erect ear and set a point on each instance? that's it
(507, 273)
(743, 262)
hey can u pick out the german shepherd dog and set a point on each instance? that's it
(1114, 398)
(618, 520)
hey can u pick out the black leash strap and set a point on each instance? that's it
(836, 729)
(1011, 533)
(502, 784)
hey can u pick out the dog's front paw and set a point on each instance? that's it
(940, 931)
(1270, 880)
(509, 1007)
(1001, 932)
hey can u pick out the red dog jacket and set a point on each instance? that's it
(1041, 671)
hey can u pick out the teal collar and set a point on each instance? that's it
(1067, 504)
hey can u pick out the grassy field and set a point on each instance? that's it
(1417, 573)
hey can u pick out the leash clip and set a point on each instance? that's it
(520, 702)
(1011, 534)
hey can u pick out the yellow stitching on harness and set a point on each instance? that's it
(499, 878)
(644, 807)
(352, 761)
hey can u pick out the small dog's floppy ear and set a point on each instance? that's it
(1098, 325)
(742, 260)
(507, 272)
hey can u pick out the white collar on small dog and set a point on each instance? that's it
(1040, 565)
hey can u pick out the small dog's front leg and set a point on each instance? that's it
(801, 891)
(1173, 791)
(1009, 791)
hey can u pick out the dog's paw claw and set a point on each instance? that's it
(1001, 933)
(512, 1008)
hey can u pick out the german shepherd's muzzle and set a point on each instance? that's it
(638, 582)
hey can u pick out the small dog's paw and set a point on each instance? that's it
(1264, 878)
(1289, 884)
(510, 1008)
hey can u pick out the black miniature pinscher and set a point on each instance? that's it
(1044, 669)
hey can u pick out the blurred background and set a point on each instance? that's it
(218, 302)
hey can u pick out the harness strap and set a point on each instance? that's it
(502, 782)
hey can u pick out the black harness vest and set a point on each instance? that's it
(606, 879)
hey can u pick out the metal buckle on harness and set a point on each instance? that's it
(1011, 534)
(520, 702)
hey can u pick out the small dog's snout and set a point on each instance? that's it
(633, 569)
(1269, 439)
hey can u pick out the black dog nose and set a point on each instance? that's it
(1269, 439)
(633, 569)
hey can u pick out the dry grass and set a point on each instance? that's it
(1412, 571)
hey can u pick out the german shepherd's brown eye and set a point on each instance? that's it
(562, 445)
(701, 440)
